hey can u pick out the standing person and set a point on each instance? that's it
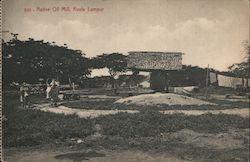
(55, 86)
(48, 89)
(21, 92)
(24, 96)
(52, 91)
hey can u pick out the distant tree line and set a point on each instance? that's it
(31, 60)
(34, 60)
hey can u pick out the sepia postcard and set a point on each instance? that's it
(125, 80)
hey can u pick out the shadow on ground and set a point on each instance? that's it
(79, 156)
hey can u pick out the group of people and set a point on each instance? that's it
(52, 92)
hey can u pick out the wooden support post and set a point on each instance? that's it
(207, 79)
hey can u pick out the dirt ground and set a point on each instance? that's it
(230, 141)
(125, 135)
(243, 112)
(81, 113)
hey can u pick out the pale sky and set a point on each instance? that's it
(207, 31)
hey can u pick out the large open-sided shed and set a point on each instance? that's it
(158, 63)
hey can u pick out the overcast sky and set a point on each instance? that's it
(207, 31)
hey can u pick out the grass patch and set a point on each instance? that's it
(32, 127)
(28, 127)
(152, 123)
(92, 104)
(110, 105)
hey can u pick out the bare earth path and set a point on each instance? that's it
(243, 112)
(80, 112)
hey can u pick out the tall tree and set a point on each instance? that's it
(115, 62)
(242, 69)
(33, 59)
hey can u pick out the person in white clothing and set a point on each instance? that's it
(54, 91)
(48, 89)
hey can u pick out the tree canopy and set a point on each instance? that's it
(31, 60)
(242, 69)
(115, 62)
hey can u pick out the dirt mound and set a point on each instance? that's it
(162, 98)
